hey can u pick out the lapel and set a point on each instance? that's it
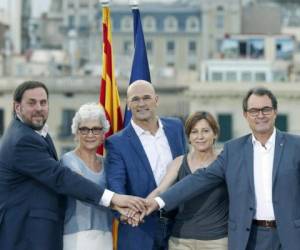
(140, 152)
(51, 146)
(279, 145)
(248, 158)
(171, 137)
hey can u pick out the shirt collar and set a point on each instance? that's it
(269, 143)
(43, 132)
(139, 131)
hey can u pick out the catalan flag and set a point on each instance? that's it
(140, 67)
(109, 95)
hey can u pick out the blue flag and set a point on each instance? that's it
(140, 67)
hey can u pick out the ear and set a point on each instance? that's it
(17, 107)
(156, 100)
(245, 114)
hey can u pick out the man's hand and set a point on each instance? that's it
(152, 205)
(127, 201)
(128, 215)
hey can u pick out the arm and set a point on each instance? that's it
(197, 183)
(169, 178)
(32, 159)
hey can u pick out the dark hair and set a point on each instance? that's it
(259, 91)
(20, 90)
(197, 116)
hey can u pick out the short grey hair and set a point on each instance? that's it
(90, 111)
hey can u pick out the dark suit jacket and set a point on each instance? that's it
(235, 166)
(32, 188)
(128, 171)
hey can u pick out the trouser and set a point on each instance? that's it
(192, 244)
(162, 234)
(263, 238)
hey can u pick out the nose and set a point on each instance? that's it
(260, 114)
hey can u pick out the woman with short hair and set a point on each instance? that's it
(87, 226)
(201, 223)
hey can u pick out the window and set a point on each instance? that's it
(149, 46)
(192, 24)
(66, 122)
(84, 21)
(170, 24)
(260, 76)
(192, 48)
(127, 47)
(71, 22)
(192, 66)
(256, 47)
(230, 48)
(220, 17)
(170, 47)
(1, 121)
(225, 121)
(217, 76)
(231, 76)
(284, 48)
(149, 23)
(126, 23)
(246, 76)
(281, 122)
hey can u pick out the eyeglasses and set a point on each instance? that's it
(265, 111)
(94, 130)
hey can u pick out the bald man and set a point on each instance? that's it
(137, 159)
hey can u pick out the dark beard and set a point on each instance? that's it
(36, 127)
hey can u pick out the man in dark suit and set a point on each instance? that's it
(136, 161)
(262, 173)
(33, 182)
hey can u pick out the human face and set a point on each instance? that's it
(260, 123)
(90, 141)
(142, 102)
(33, 108)
(202, 136)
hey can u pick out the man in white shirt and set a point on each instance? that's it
(262, 174)
(137, 159)
(33, 183)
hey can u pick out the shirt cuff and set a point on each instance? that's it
(160, 202)
(106, 198)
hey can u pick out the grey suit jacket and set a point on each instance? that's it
(235, 167)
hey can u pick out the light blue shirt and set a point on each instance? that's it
(81, 216)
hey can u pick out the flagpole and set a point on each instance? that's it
(104, 3)
(134, 4)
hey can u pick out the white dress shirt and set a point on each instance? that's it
(262, 170)
(157, 149)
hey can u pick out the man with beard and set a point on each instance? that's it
(33, 182)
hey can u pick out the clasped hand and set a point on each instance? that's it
(134, 214)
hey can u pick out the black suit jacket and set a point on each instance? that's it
(32, 188)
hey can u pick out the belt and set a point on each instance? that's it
(265, 223)
(162, 216)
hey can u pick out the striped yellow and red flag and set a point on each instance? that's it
(109, 95)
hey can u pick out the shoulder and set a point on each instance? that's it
(238, 142)
(170, 120)
(68, 156)
(288, 136)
